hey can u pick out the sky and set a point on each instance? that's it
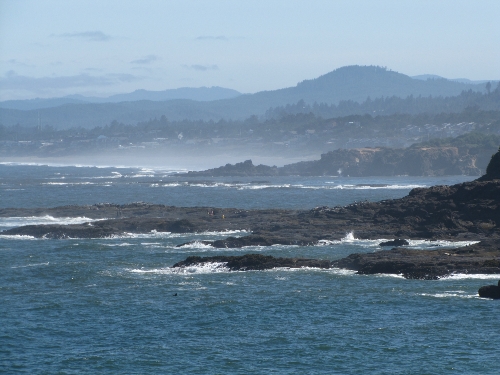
(53, 48)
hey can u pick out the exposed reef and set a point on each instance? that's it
(249, 262)
(481, 258)
(467, 211)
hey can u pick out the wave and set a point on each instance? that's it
(155, 234)
(376, 187)
(196, 245)
(18, 221)
(220, 267)
(260, 186)
(450, 294)
(69, 183)
(121, 244)
(206, 268)
(32, 265)
(333, 270)
(465, 276)
(17, 237)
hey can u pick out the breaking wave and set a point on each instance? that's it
(450, 294)
(205, 268)
(18, 221)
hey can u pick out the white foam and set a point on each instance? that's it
(68, 183)
(393, 275)
(350, 240)
(377, 187)
(260, 187)
(113, 175)
(336, 271)
(18, 221)
(17, 237)
(205, 268)
(196, 245)
(32, 265)
(449, 295)
(174, 184)
(155, 234)
(152, 234)
(122, 244)
(468, 276)
(252, 186)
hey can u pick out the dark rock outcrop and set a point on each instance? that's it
(395, 242)
(480, 258)
(249, 262)
(490, 291)
(493, 168)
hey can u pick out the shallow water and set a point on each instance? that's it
(108, 305)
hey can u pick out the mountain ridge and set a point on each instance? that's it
(188, 93)
(354, 83)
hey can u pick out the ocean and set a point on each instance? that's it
(115, 305)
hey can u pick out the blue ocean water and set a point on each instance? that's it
(108, 305)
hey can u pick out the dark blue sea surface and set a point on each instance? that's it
(108, 306)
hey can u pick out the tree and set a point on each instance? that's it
(488, 87)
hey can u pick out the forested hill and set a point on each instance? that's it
(353, 83)
(413, 105)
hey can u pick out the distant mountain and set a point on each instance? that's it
(354, 83)
(38, 103)
(201, 94)
(191, 93)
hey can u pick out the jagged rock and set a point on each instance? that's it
(395, 242)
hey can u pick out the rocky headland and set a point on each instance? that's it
(380, 161)
(467, 211)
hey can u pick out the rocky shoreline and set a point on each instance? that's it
(363, 162)
(468, 211)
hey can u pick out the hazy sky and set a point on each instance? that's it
(54, 48)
